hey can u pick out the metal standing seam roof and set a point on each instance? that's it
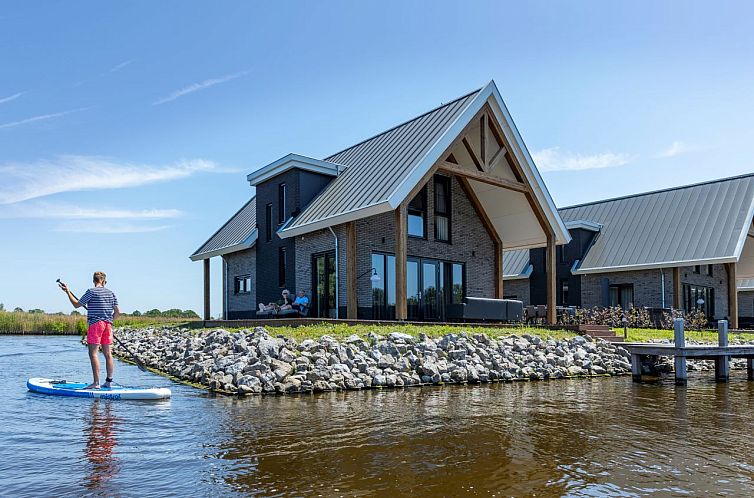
(694, 224)
(377, 166)
(237, 230)
(745, 284)
(516, 264)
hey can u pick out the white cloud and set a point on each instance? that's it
(195, 87)
(553, 159)
(120, 66)
(11, 97)
(23, 181)
(43, 117)
(675, 149)
(99, 227)
(48, 210)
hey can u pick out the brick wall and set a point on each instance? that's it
(518, 288)
(647, 286)
(238, 264)
(470, 245)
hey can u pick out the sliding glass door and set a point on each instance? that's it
(323, 285)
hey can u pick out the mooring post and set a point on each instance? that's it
(636, 367)
(722, 363)
(750, 368)
(680, 360)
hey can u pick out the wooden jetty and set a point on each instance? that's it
(722, 353)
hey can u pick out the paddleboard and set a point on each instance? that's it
(64, 388)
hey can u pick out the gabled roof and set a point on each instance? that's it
(237, 234)
(516, 264)
(381, 171)
(704, 223)
(292, 161)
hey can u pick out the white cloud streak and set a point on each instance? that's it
(24, 181)
(99, 227)
(195, 87)
(3, 100)
(553, 159)
(676, 148)
(57, 211)
(43, 117)
(120, 66)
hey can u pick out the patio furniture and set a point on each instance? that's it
(496, 310)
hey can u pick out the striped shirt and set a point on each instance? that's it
(100, 304)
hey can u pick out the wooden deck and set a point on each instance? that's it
(722, 353)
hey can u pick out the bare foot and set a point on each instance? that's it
(92, 386)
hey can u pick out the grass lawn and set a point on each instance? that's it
(646, 335)
(341, 331)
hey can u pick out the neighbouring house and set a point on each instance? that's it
(403, 225)
(746, 302)
(681, 247)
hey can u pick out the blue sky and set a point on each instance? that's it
(126, 130)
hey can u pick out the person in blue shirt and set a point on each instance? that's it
(301, 303)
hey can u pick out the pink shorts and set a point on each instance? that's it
(100, 333)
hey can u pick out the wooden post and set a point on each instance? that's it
(401, 241)
(681, 376)
(551, 264)
(722, 365)
(498, 270)
(206, 289)
(732, 295)
(750, 368)
(352, 303)
(636, 367)
(677, 301)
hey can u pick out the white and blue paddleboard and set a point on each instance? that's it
(64, 388)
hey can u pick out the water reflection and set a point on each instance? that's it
(100, 429)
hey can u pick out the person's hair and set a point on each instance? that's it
(285, 291)
(301, 291)
(99, 277)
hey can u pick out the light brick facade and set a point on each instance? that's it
(238, 264)
(470, 244)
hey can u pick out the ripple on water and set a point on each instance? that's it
(600, 437)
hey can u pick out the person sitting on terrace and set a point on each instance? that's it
(284, 304)
(301, 303)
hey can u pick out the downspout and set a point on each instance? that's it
(225, 289)
(662, 287)
(337, 282)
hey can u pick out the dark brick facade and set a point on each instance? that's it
(301, 187)
(237, 264)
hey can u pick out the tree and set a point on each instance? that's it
(153, 312)
(36, 311)
(75, 313)
(18, 310)
(136, 313)
(2, 307)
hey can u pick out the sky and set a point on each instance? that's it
(127, 129)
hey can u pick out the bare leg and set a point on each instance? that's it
(95, 364)
(109, 363)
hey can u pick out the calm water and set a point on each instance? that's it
(561, 438)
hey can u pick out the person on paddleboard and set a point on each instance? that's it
(102, 309)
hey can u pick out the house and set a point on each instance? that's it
(402, 225)
(682, 247)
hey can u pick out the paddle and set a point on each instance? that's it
(133, 356)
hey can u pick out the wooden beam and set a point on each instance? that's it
(401, 242)
(484, 178)
(483, 139)
(206, 289)
(498, 155)
(552, 316)
(476, 161)
(480, 212)
(498, 270)
(677, 298)
(352, 299)
(732, 295)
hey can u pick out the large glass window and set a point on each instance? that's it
(564, 292)
(281, 203)
(622, 295)
(242, 284)
(378, 287)
(697, 297)
(268, 222)
(417, 213)
(442, 208)
(282, 263)
(457, 284)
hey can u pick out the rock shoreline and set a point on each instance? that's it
(254, 362)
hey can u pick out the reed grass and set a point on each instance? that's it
(43, 323)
